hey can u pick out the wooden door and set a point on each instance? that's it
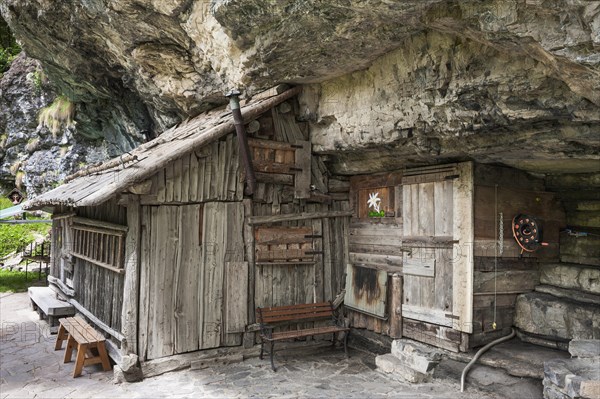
(438, 236)
(187, 253)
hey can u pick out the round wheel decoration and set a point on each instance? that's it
(527, 232)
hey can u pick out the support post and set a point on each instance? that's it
(129, 314)
(396, 307)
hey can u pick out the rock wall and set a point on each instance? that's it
(494, 80)
(30, 155)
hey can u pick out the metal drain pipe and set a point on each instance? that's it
(238, 121)
(481, 352)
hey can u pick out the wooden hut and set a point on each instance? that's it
(163, 252)
(437, 227)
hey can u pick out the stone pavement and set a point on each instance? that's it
(30, 368)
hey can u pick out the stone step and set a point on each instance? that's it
(571, 276)
(547, 316)
(393, 366)
(572, 378)
(419, 357)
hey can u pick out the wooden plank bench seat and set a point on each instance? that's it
(272, 317)
(88, 342)
(44, 301)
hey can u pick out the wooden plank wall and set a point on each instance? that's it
(97, 289)
(496, 285)
(376, 242)
(211, 173)
(190, 255)
(286, 284)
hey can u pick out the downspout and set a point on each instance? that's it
(238, 120)
(481, 352)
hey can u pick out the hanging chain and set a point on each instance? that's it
(501, 234)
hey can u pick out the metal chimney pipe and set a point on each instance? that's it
(238, 121)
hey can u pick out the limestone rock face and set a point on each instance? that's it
(30, 155)
(419, 81)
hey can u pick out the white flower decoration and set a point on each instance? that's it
(374, 201)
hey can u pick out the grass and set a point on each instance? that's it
(58, 114)
(16, 236)
(14, 281)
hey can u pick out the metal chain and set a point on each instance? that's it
(501, 234)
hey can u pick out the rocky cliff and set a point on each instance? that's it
(31, 156)
(516, 82)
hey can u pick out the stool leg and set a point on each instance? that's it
(103, 356)
(81, 349)
(69, 350)
(60, 337)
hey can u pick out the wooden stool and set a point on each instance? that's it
(87, 341)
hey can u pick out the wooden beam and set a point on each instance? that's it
(99, 223)
(253, 220)
(98, 263)
(129, 311)
(57, 284)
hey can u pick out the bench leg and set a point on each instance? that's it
(69, 350)
(272, 353)
(333, 339)
(262, 348)
(81, 349)
(60, 337)
(346, 342)
(103, 356)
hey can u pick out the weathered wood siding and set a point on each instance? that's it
(210, 173)
(100, 290)
(293, 283)
(376, 242)
(188, 255)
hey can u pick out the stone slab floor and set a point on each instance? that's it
(30, 368)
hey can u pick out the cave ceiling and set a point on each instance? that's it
(389, 84)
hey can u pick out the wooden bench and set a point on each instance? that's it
(88, 342)
(44, 301)
(270, 318)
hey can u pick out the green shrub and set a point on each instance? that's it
(16, 236)
(9, 48)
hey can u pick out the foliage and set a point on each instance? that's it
(374, 214)
(14, 281)
(16, 236)
(9, 48)
(37, 79)
(58, 114)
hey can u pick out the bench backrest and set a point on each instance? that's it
(294, 313)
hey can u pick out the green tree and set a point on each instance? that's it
(9, 48)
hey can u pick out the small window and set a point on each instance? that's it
(376, 202)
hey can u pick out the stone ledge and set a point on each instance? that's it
(584, 348)
(548, 316)
(571, 276)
